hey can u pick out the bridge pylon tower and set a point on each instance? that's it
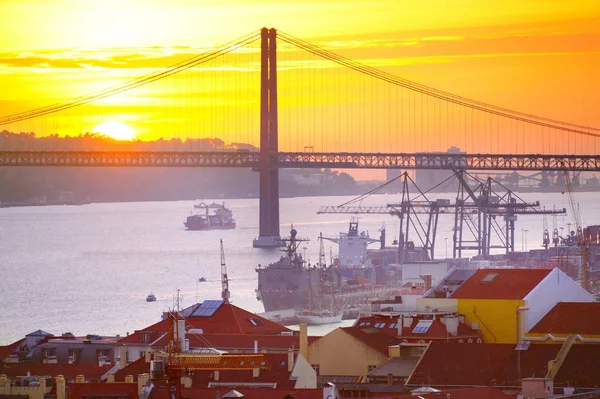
(269, 235)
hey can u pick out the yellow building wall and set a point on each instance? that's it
(497, 319)
(339, 353)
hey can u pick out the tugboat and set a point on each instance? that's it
(151, 298)
(210, 217)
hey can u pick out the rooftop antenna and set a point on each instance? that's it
(224, 278)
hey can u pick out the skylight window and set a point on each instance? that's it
(393, 325)
(422, 326)
(255, 322)
(488, 278)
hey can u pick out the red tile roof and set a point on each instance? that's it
(466, 393)
(570, 318)
(466, 364)
(275, 370)
(498, 364)
(229, 342)
(373, 338)
(138, 367)
(7, 350)
(69, 371)
(436, 331)
(161, 392)
(500, 284)
(120, 390)
(228, 319)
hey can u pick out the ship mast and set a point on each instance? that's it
(321, 252)
(224, 278)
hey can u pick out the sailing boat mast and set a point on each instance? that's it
(224, 278)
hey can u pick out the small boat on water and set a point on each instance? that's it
(151, 298)
(201, 280)
(318, 317)
(210, 217)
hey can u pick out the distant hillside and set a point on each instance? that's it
(147, 184)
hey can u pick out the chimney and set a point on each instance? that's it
(181, 334)
(79, 379)
(304, 340)
(255, 346)
(217, 375)
(407, 322)
(128, 379)
(142, 381)
(187, 381)
(427, 279)
(60, 387)
(390, 378)
(148, 357)
(110, 378)
(123, 356)
(255, 372)
(451, 323)
(290, 360)
(218, 394)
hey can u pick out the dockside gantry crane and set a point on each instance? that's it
(476, 209)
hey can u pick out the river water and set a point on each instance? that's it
(87, 269)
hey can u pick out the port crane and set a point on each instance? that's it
(476, 211)
(582, 239)
(224, 279)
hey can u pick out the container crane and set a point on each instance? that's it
(582, 241)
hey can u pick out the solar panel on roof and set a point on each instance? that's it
(207, 308)
(422, 326)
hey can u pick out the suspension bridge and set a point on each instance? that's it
(269, 100)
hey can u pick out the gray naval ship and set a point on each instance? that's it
(291, 283)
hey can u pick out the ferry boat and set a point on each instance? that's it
(151, 298)
(210, 217)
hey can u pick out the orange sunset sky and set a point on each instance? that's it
(536, 56)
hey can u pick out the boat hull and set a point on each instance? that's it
(195, 227)
(318, 319)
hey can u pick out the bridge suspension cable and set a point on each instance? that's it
(439, 94)
(173, 69)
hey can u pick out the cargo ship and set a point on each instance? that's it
(210, 217)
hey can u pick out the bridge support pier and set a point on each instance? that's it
(268, 165)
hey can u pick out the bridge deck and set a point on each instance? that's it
(303, 160)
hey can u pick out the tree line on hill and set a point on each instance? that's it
(107, 184)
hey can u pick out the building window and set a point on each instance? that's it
(371, 367)
(47, 352)
(73, 355)
(317, 368)
(101, 353)
(380, 325)
(393, 325)
(145, 337)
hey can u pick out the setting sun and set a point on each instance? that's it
(116, 130)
